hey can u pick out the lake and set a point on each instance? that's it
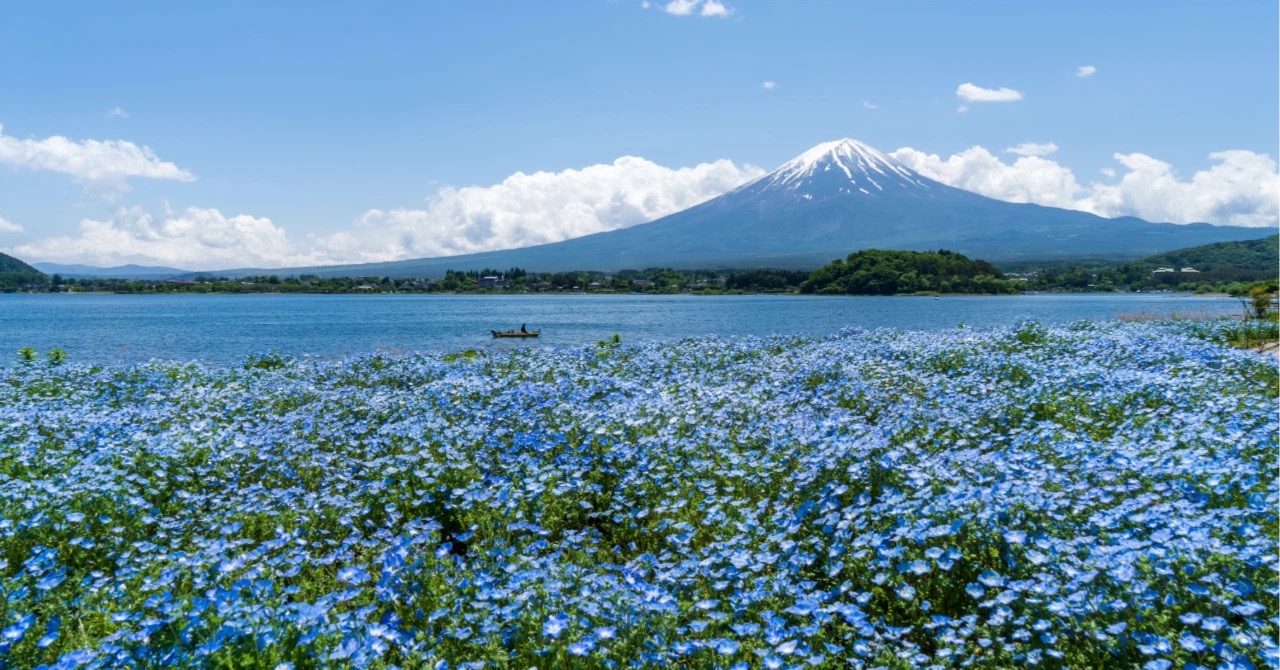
(226, 328)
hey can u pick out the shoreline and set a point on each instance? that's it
(699, 294)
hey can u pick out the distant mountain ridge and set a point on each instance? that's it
(78, 271)
(833, 199)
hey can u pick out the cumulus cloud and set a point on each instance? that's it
(714, 8)
(962, 109)
(522, 210)
(1033, 149)
(1028, 179)
(768, 85)
(198, 239)
(103, 165)
(1086, 71)
(7, 226)
(869, 105)
(528, 209)
(973, 93)
(117, 113)
(1240, 189)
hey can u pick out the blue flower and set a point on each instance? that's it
(555, 625)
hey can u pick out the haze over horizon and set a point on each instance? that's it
(334, 135)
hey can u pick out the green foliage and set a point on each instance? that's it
(272, 360)
(1260, 255)
(14, 274)
(879, 272)
(1232, 267)
(56, 356)
(27, 355)
(461, 356)
(1260, 299)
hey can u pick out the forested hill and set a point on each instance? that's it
(878, 272)
(14, 273)
(1262, 255)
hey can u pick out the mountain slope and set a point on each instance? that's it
(15, 273)
(1261, 255)
(833, 199)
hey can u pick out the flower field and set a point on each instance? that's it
(1085, 496)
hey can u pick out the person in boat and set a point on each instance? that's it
(522, 329)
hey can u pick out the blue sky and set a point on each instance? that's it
(330, 129)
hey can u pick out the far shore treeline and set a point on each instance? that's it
(1225, 267)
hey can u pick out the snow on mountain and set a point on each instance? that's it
(842, 166)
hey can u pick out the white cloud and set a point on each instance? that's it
(768, 85)
(715, 8)
(198, 239)
(103, 165)
(1086, 71)
(117, 113)
(523, 210)
(680, 7)
(973, 93)
(1239, 190)
(1028, 179)
(7, 226)
(962, 109)
(1033, 149)
(869, 105)
(528, 209)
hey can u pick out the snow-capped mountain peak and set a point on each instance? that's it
(846, 165)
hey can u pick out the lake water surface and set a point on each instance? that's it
(226, 328)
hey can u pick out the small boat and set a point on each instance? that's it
(515, 333)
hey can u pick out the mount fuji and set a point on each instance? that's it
(833, 199)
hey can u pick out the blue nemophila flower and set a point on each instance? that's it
(52, 579)
(582, 647)
(1015, 536)
(916, 567)
(725, 647)
(1191, 643)
(15, 632)
(1212, 624)
(803, 608)
(51, 631)
(990, 579)
(353, 575)
(555, 625)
